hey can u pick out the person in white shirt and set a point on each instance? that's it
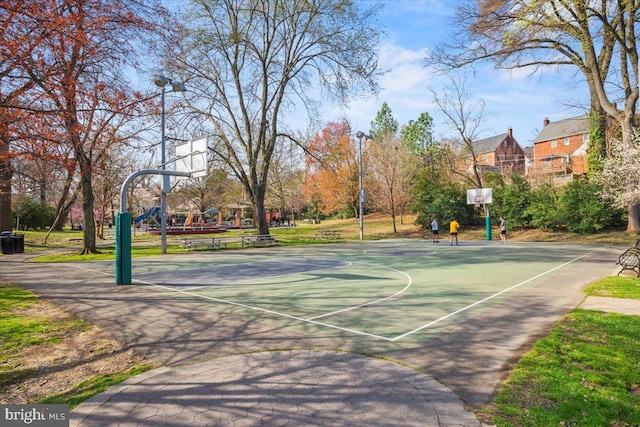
(434, 230)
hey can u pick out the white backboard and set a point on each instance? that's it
(479, 196)
(192, 157)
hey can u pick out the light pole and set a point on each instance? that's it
(162, 81)
(361, 135)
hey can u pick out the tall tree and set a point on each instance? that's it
(418, 134)
(19, 37)
(621, 167)
(385, 125)
(76, 70)
(332, 169)
(250, 62)
(466, 116)
(391, 164)
(595, 36)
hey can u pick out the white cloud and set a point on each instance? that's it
(514, 98)
(404, 87)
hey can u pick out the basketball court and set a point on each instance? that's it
(392, 291)
(461, 314)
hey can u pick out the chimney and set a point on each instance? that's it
(510, 132)
(545, 121)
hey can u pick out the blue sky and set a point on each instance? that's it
(513, 99)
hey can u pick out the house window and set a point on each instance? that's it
(486, 158)
(566, 141)
(554, 143)
(585, 138)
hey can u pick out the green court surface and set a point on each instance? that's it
(391, 291)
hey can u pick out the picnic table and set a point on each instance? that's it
(328, 235)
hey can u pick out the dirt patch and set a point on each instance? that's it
(77, 355)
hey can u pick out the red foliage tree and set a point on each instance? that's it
(75, 73)
(332, 169)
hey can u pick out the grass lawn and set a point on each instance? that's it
(376, 227)
(585, 372)
(44, 350)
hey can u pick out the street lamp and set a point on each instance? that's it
(162, 81)
(362, 197)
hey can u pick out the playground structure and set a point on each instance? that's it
(193, 222)
(152, 216)
(183, 223)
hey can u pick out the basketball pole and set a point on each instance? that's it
(487, 222)
(123, 225)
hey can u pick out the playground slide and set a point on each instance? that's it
(151, 213)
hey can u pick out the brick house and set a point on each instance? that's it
(499, 154)
(560, 150)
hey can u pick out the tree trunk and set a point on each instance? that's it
(89, 230)
(633, 224)
(61, 214)
(6, 172)
(262, 226)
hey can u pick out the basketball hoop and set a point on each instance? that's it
(479, 196)
(478, 199)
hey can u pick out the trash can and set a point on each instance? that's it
(7, 243)
(18, 243)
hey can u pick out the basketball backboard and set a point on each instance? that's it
(192, 157)
(479, 196)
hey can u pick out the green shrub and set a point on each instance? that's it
(28, 213)
(582, 209)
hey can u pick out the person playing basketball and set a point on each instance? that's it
(454, 226)
(503, 230)
(434, 230)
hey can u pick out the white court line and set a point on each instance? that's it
(406, 334)
(288, 316)
(371, 302)
(104, 273)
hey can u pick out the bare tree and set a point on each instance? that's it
(250, 62)
(466, 117)
(286, 178)
(390, 164)
(596, 37)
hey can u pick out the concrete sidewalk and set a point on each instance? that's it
(612, 305)
(289, 388)
(280, 388)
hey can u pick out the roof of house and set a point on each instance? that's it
(564, 128)
(490, 144)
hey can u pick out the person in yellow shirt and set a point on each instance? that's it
(454, 226)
